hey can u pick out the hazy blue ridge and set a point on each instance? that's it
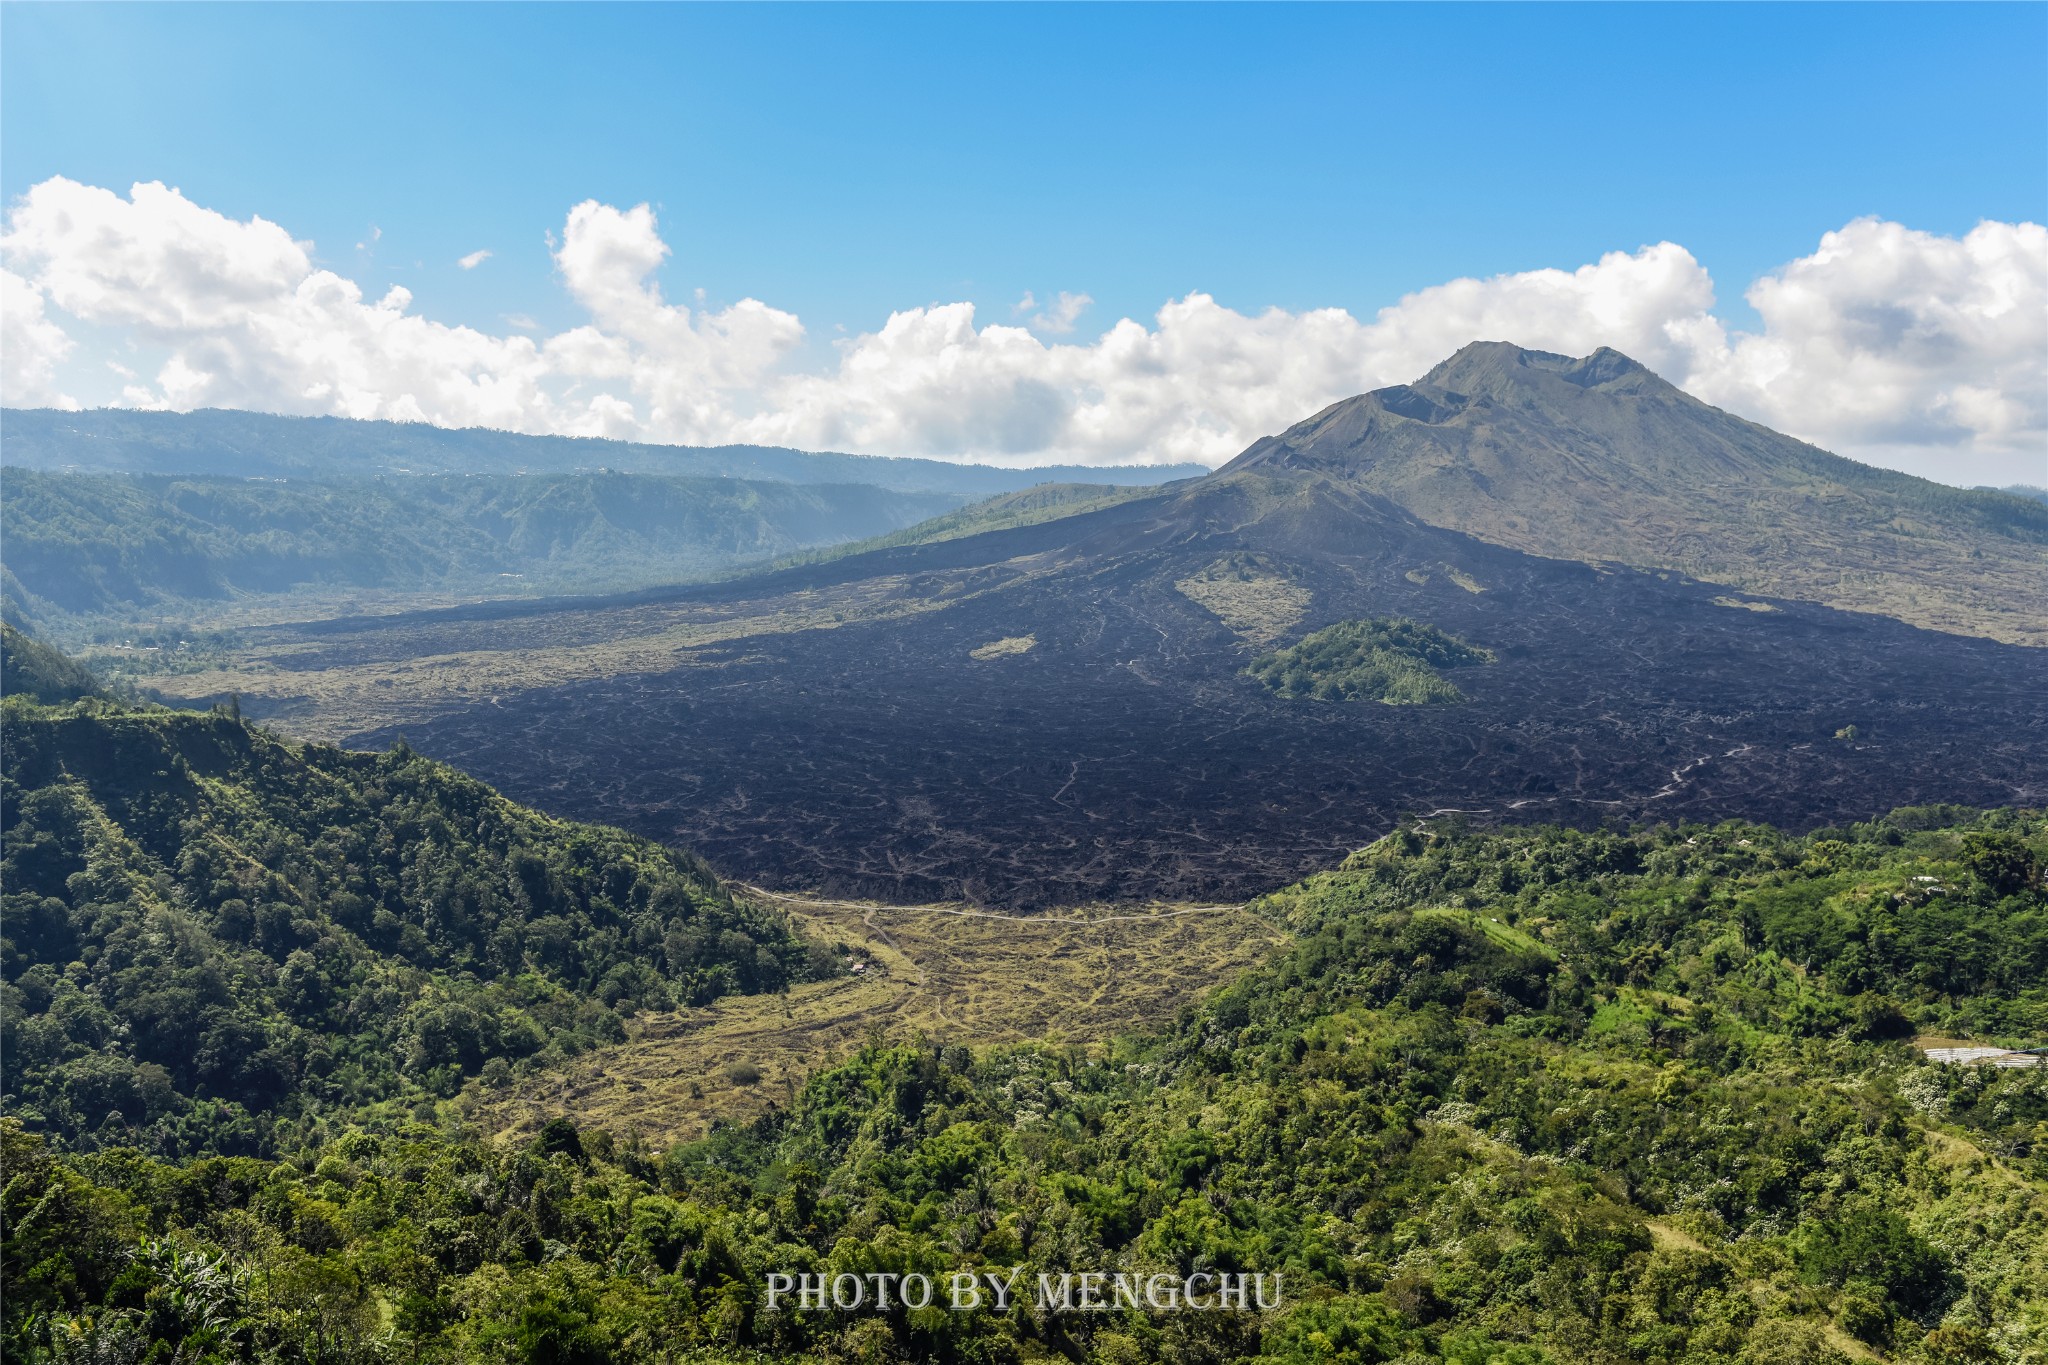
(255, 444)
(112, 545)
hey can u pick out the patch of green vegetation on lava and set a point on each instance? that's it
(1391, 660)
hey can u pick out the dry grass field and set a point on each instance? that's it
(1247, 594)
(945, 972)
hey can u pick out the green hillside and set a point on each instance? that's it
(1514, 1098)
(215, 939)
(30, 668)
(109, 549)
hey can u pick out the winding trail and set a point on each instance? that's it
(799, 901)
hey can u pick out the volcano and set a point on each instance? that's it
(1683, 614)
(1597, 458)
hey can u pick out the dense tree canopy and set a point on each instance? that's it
(1508, 1098)
(214, 937)
(30, 668)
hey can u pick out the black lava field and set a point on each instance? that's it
(1125, 755)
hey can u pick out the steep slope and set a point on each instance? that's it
(1060, 711)
(215, 938)
(30, 668)
(1597, 458)
(1004, 511)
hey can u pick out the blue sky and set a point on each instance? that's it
(841, 162)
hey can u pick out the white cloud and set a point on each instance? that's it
(693, 373)
(1887, 340)
(243, 319)
(474, 259)
(1062, 315)
(1058, 319)
(1918, 350)
(31, 347)
(1646, 304)
(1204, 381)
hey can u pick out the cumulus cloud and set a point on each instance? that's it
(1204, 381)
(1891, 340)
(692, 372)
(1058, 318)
(245, 319)
(1912, 348)
(31, 346)
(473, 259)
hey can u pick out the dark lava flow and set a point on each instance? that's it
(1126, 756)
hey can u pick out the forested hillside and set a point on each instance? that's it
(83, 550)
(1541, 1096)
(30, 668)
(216, 940)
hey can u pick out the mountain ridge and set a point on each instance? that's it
(86, 551)
(1123, 753)
(227, 441)
(281, 931)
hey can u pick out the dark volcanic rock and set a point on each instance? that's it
(1125, 754)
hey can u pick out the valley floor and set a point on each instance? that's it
(949, 973)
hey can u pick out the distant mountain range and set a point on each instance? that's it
(304, 1044)
(1054, 705)
(111, 520)
(260, 445)
(88, 551)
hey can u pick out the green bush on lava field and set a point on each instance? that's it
(1392, 660)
